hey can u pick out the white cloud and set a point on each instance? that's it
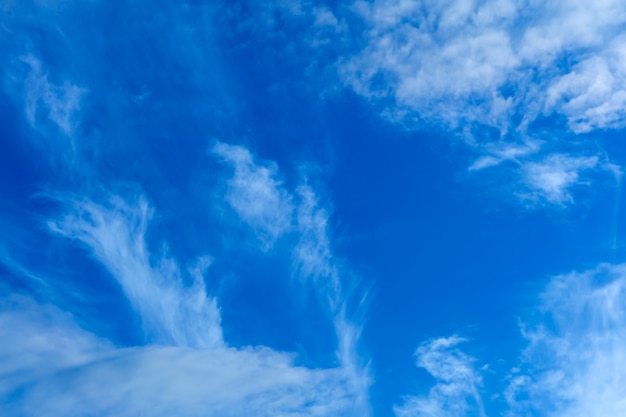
(467, 61)
(59, 103)
(115, 235)
(592, 95)
(456, 393)
(552, 178)
(495, 64)
(486, 69)
(53, 367)
(574, 364)
(255, 192)
(313, 255)
(499, 152)
(263, 202)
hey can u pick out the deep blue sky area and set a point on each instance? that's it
(290, 208)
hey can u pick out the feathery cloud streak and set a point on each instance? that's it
(54, 366)
(456, 391)
(259, 197)
(572, 366)
(51, 366)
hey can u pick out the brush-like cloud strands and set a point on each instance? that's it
(257, 194)
(52, 366)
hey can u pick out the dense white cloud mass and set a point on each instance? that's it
(466, 61)
(502, 64)
(456, 392)
(485, 70)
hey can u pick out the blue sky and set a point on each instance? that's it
(294, 208)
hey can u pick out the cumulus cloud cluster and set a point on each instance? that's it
(484, 61)
(501, 64)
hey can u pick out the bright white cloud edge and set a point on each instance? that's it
(572, 367)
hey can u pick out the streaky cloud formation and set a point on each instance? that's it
(456, 393)
(262, 201)
(148, 267)
(44, 100)
(52, 367)
(255, 193)
(69, 370)
(573, 365)
(115, 235)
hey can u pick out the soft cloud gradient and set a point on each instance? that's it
(456, 393)
(52, 367)
(572, 365)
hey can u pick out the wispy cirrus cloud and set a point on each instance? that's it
(47, 101)
(255, 193)
(258, 195)
(456, 392)
(185, 367)
(115, 235)
(261, 199)
(572, 364)
(52, 366)
(576, 348)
